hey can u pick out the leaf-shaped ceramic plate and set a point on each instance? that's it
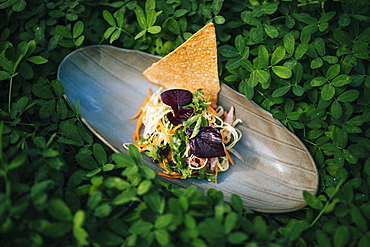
(276, 166)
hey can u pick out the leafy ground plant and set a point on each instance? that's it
(305, 61)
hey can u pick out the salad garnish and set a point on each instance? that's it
(185, 134)
(177, 99)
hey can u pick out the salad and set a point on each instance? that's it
(185, 135)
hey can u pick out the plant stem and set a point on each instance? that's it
(10, 93)
(332, 195)
(1, 141)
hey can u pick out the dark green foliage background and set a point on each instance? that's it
(305, 61)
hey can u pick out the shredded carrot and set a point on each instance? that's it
(176, 128)
(229, 157)
(169, 176)
(216, 174)
(140, 145)
(210, 108)
(201, 162)
(138, 126)
(142, 105)
(163, 165)
(157, 141)
(163, 130)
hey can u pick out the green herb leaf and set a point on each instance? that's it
(4, 75)
(57, 87)
(327, 92)
(341, 80)
(115, 35)
(333, 71)
(99, 154)
(312, 201)
(141, 227)
(271, 31)
(109, 32)
(164, 221)
(135, 154)
(289, 43)
(269, 7)
(263, 76)
(78, 28)
(108, 17)
(80, 233)
(26, 70)
(151, 17)
(248, 18)
(300, 50)
(79, 40)
(144, 187)
(64, 32)
(86, 161)
(154, 29)
(59, 210)
(17, 161)
(47, 109)
(263, 57)
(228, 51)
(281, 91)
(349, 96)
(318, 81)
(316, 63)
(336, 109)
(37, 60)
(278, 55)
(173, 25)
(341, 236)
(140, 16)
(282, 71)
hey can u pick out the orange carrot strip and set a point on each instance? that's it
(140, 145)
(201, 162)
(161, 163)
(229, 157)
(163, 130)
(216, 174)
(175, 174)
(169, 176)
(138, 126)
(156, 142)
(210, 108)
(142, 105)
(176, 128)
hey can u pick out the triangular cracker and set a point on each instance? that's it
(191, 66)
